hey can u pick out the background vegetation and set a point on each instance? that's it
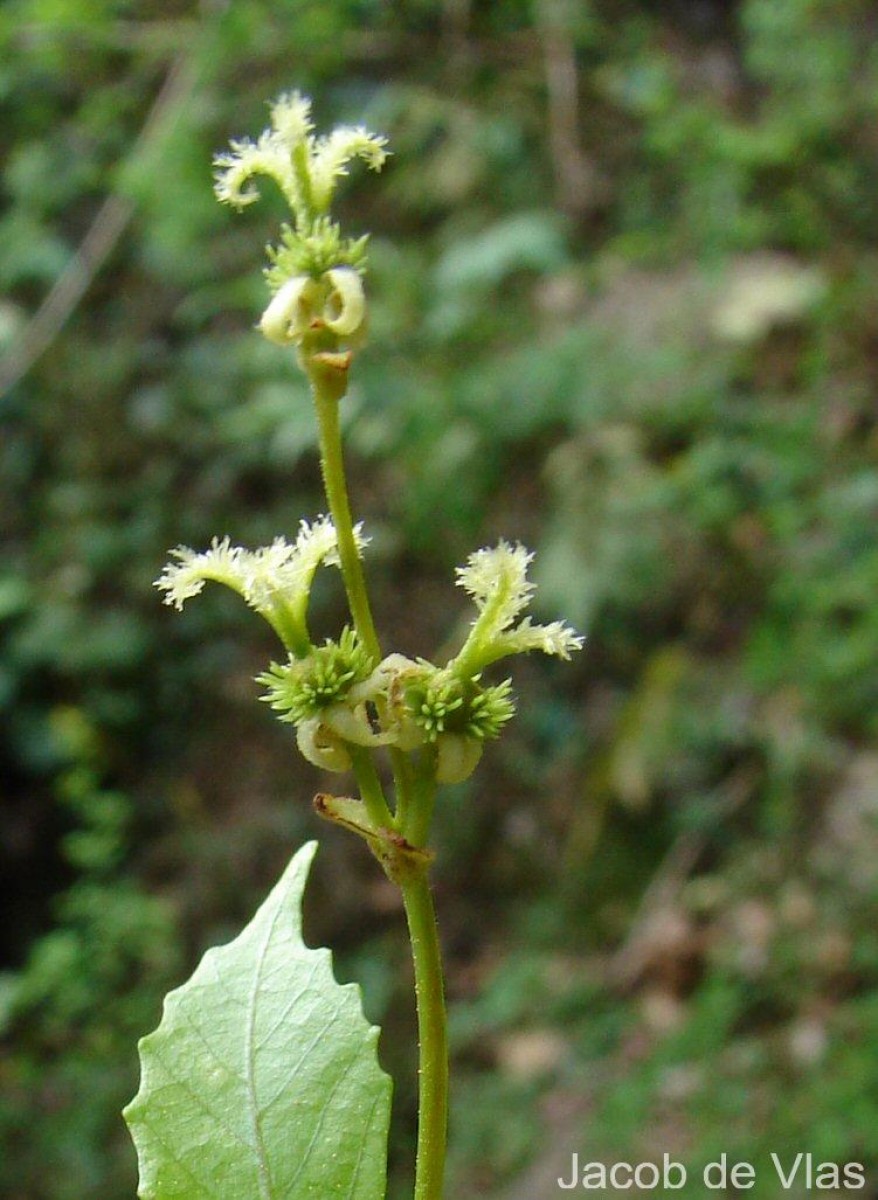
(625, 309)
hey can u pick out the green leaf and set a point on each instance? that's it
(262, 1081)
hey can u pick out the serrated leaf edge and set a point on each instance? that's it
(278, 899)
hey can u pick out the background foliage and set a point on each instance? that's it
(625, 308)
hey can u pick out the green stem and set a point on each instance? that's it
(370, 786)
(429, 986)
(419, 813)
(404, 790)
(334, 481)
(432, 1037)
(332, 466)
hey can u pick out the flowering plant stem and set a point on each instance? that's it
(432, 1037)
(335, 484)
(415, 887)
(346, 702)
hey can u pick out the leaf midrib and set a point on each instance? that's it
(262, 1165)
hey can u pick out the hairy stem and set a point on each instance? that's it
(334, 481)
(370, 787)
(419, 812)
(429, 985)
(432, 1037)
(332, 466)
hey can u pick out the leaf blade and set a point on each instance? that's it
(261, 1081)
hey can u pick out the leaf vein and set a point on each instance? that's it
(318, 1037)
(175, 1158)
(201, 1103)
(366, 1129)
(266, 1037)
(317, 1127)
(199, 1035)
(250, 1051)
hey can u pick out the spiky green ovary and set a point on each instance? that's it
(450, 705)
(302, 688)
(313, 253)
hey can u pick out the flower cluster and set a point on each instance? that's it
(315, 272)
(341, 699)
(338, 696)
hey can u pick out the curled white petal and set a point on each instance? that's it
(384, 689)
(456, 757)
(289, 313)
(345, 308)
(353, 725)
(321, 746)
(407, 735)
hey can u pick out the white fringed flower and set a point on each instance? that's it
(555, 638)
(274, 580)
(308, 181)
(315, 272)
(291, 118)
(496, 578)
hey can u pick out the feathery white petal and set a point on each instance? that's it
(498, 575)
(331, 155)
(277, 574)
(183, 579)
(556, 638)
(268, 156)
(291, 118)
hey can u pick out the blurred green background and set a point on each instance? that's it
(624, 296)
